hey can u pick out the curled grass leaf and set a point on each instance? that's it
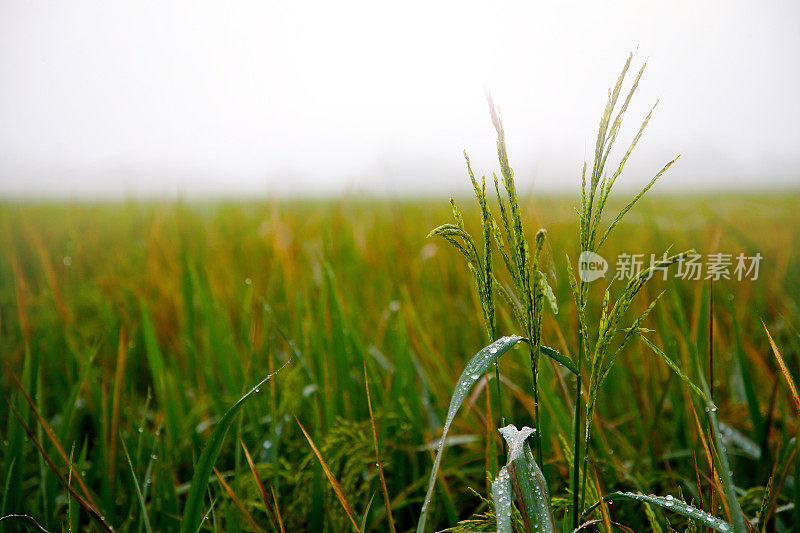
(528, 480)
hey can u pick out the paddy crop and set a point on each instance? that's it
(137, 339)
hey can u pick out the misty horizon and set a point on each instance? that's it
(203, 100)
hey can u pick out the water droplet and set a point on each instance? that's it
(248, 281)
(493, 350)
(67, 260)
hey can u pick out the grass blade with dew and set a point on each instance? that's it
(193, 512)
(139, 494)
(22, 519)
(501, 494)
(474, 370)
(737, 517)
(560, 358)
(670, 504)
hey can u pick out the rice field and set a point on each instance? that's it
(133, 327)
(294, 365)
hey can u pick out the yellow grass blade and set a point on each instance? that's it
(277, 509)
(335, 484)
(49, 432)
(260, 485)
(385, 491)
(784, 370)
(237, 501)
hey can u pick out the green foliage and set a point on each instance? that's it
(164, 315)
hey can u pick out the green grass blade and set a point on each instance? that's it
(675, 368)
(159, 374)
(560, 357)
(193, 512)
(725, 470)
(474, 370)
(69, 405)
(671, 504)
(6, 485)
(747, 381)
(365, 515)
(501, 494)
(23, 520)
(139, 495)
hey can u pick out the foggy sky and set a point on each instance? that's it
(191, 98)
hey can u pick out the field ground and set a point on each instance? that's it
(142, 323)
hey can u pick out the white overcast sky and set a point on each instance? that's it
(311, 97)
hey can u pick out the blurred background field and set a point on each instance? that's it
(223, 293)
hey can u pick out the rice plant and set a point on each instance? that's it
(595, 354)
